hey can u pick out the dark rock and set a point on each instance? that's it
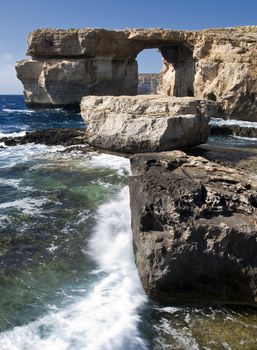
(194, 229)
(235, 130)
(51, 137)
(244, 158)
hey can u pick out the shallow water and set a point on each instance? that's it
(68, 278)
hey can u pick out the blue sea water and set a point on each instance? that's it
(68, 280)
(16, 117)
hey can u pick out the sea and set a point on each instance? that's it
(68, 280)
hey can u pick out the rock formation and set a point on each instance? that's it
(218, 64)
(146, 123)
(194, 229)
(235, 130)
(148, 84)
(50, 137)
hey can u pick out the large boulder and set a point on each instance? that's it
(146, 123)
(194, 228)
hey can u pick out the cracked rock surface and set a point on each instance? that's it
(194, 229)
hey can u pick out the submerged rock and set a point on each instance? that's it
(146, 123)
(194, 229)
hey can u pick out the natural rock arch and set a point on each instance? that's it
(66, 65)
(178, 71)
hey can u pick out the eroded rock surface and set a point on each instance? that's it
(51, 137)
(146, 123)
(194, 229)
(219, 64)
(63, 82)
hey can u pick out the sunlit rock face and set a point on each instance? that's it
(146, 123)
(62, 82)
(218, 64)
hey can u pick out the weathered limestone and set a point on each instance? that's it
(219, 64)
(146, 123)
(194, 229)
(52, 82)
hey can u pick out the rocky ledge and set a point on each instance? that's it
(235, 130)
(146, 123)
(194, 229)
(51, 137)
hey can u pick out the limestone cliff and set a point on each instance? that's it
(219, 64)
(148, 83)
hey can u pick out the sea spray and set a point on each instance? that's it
(107, 317)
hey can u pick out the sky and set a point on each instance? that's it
(18, 18)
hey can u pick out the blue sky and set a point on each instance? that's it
(18, 18)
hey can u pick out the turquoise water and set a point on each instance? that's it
(68, 279)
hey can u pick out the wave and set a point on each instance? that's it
(15, 183)
(120, 164)
(253, 139)
(26, 111)
(107, 317)
(12, 156)
(28, 205)
(13, 134)
(242, 123)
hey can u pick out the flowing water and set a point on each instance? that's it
(68, 279)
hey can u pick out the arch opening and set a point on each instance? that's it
(150, 63)
(176, 70)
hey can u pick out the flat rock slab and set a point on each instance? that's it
(146, 123)
(194, 228)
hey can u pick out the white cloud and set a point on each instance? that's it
(9, 83)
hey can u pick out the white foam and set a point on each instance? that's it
(243, 123)
(13, 134)
(26, 111)
(183, 338)
(15, 183)
(120, 164)
(12, 156)
(107, 317)
(27, 205)
(10, 182)
(245, 138)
